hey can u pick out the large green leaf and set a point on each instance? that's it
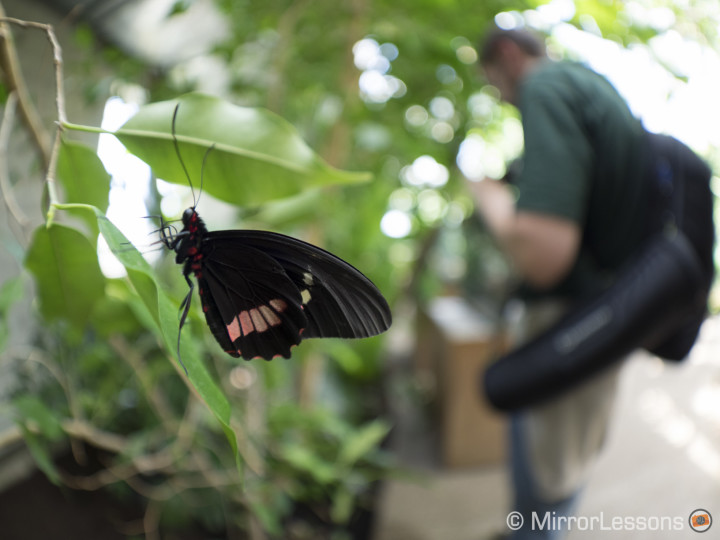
(83, 175)
(257, 156)
(83, 178)
(164, 313)
(66, 270)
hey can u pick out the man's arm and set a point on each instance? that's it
(542, 247)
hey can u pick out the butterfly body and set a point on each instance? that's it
(263, 293)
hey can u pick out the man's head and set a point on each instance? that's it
(507, 56)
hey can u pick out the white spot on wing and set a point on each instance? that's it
(258, 321)
(270, 316)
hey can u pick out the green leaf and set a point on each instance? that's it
(343, 504)
(84, 178)
(41, 455)
(268, 516)
(305, 459)
(164, 313)
(39, 425)
(31, 409)
(114, 316)
(363, 441)
(10, 292)
(179, 7)
(257, 156)
(347, 357)
(83, 175)
(66, 270)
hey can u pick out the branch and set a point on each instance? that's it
(11, 65)
(57, 57)
(15, 81)
(151, 520)
(155, 397)
(106, 440)
(6, 189)
(162, 461)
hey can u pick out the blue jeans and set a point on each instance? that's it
(527, 502)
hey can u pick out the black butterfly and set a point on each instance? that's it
(262, 292)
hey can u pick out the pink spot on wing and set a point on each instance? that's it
(233, 330)
(257, 319)
(246, 323)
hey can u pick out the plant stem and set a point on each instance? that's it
(74, 206)
(5, 187)
(17, 82)
(86, 129)
(50, 178)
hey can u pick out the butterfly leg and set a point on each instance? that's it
(185, 307)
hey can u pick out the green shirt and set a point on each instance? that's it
(584, 161)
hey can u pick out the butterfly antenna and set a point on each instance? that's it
(177, 151)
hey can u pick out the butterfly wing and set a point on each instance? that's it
(252, 307)
(338, 300)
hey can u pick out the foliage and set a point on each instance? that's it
(73, 292)
(325, 462)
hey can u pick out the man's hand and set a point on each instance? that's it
(495, 202)
(542, 247)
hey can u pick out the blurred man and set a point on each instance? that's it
(583, 202)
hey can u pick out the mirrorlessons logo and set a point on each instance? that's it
(700, 520)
